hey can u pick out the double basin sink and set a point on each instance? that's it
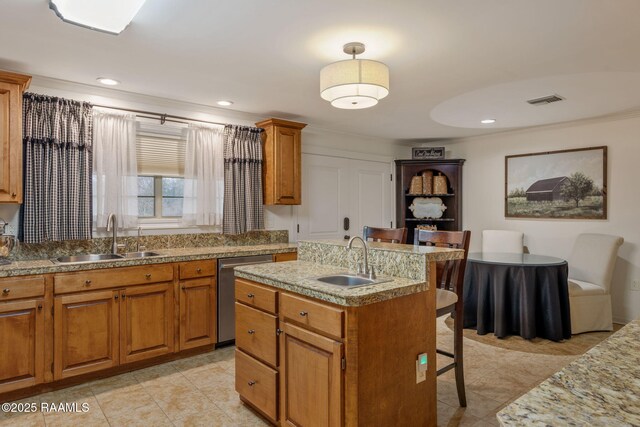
(78, 259)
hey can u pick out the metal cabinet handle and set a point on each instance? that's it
(5, 291)
(148, 275)
(303, 313)
(13, 195)
(251, 331)
(115, 297)
(251, 383)
(124, 296)
(250, 295)
(198, 270)
(279, 331)
(184, 288)
(87, 282)
(39, 306)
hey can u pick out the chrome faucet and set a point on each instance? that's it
(363, 269)
(112, 225)
(140, 247)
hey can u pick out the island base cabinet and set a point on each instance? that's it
(21, 344)
(146, 322)
(197, 313)
(85, 333)
(311, 379)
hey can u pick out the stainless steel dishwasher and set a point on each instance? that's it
(226, 294)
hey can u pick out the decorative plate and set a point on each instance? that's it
(427, 207)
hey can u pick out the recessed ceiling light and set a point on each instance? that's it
(487, 121)
(107, 81)
(225, 103)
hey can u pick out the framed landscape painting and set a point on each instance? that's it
(568, 184)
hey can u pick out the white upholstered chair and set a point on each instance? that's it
(502, 241)
(590, 271)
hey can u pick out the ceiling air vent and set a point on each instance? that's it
(545, 100)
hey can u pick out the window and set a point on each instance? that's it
(160, 196)
(160, 153)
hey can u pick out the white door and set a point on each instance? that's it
(335, 188)
(325, 197)
(371, 201)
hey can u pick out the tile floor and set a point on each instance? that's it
(199, 391)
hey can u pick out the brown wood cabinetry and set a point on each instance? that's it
(288, 256)
(282, 161)
(146, 322)
(86, 333)
(311, 378)
(21, 343)
(12, 86)
(451, 219)
(197, 303)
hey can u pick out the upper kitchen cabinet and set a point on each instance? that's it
(282, 161)
(12, 85)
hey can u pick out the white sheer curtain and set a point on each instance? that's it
(203, 176)
(115, 169)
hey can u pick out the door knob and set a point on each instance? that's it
(5, 291)
(303, 313)
(250, 295)
(251, 383)
(251, 331)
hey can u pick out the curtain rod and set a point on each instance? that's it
(159, 116)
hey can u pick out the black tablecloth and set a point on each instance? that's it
(526, 300)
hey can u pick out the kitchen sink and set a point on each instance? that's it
(349, 280)
(85, 258)
(143, 254)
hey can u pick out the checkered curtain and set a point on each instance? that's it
(57, 137)
(242, 180)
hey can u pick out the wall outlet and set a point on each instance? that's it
(635, 285)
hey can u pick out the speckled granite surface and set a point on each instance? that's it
(389, 259)
(406, 265)
(20, 268)
(601, 388)
(298, 277)
(152, 243)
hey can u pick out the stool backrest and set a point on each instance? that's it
(388, 235)
(450, 273)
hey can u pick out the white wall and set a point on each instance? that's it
(483, 189)
(314, 140)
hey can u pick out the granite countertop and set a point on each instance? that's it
(21, 268)
(601, 388)
(433, 253)
(298, 277)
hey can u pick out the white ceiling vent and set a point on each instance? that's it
(545, 100)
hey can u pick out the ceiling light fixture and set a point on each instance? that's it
(487, 121)
(354, 83)
(225, 103)
(109, 16)
(107, 81)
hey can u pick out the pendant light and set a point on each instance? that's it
(354, 83)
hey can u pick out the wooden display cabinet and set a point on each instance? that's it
(451, 219)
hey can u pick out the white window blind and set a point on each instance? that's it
(160, 149)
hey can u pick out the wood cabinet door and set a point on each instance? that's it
(287, 166)
(197, 312)
(21, 344)
(311, 379)
(85, 333)
(146, 322)
(10, 143)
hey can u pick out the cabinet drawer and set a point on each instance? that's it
(195, 269)
(256, 333)
(257, 296)
(11, 289)
(316, 316)
(257, 383)
(109, 278)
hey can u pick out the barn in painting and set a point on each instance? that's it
(546, 190)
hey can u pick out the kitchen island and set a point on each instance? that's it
(312, 353)
(601, 388)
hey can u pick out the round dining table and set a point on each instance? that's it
(517, 294)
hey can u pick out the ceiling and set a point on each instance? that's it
(452, 63)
